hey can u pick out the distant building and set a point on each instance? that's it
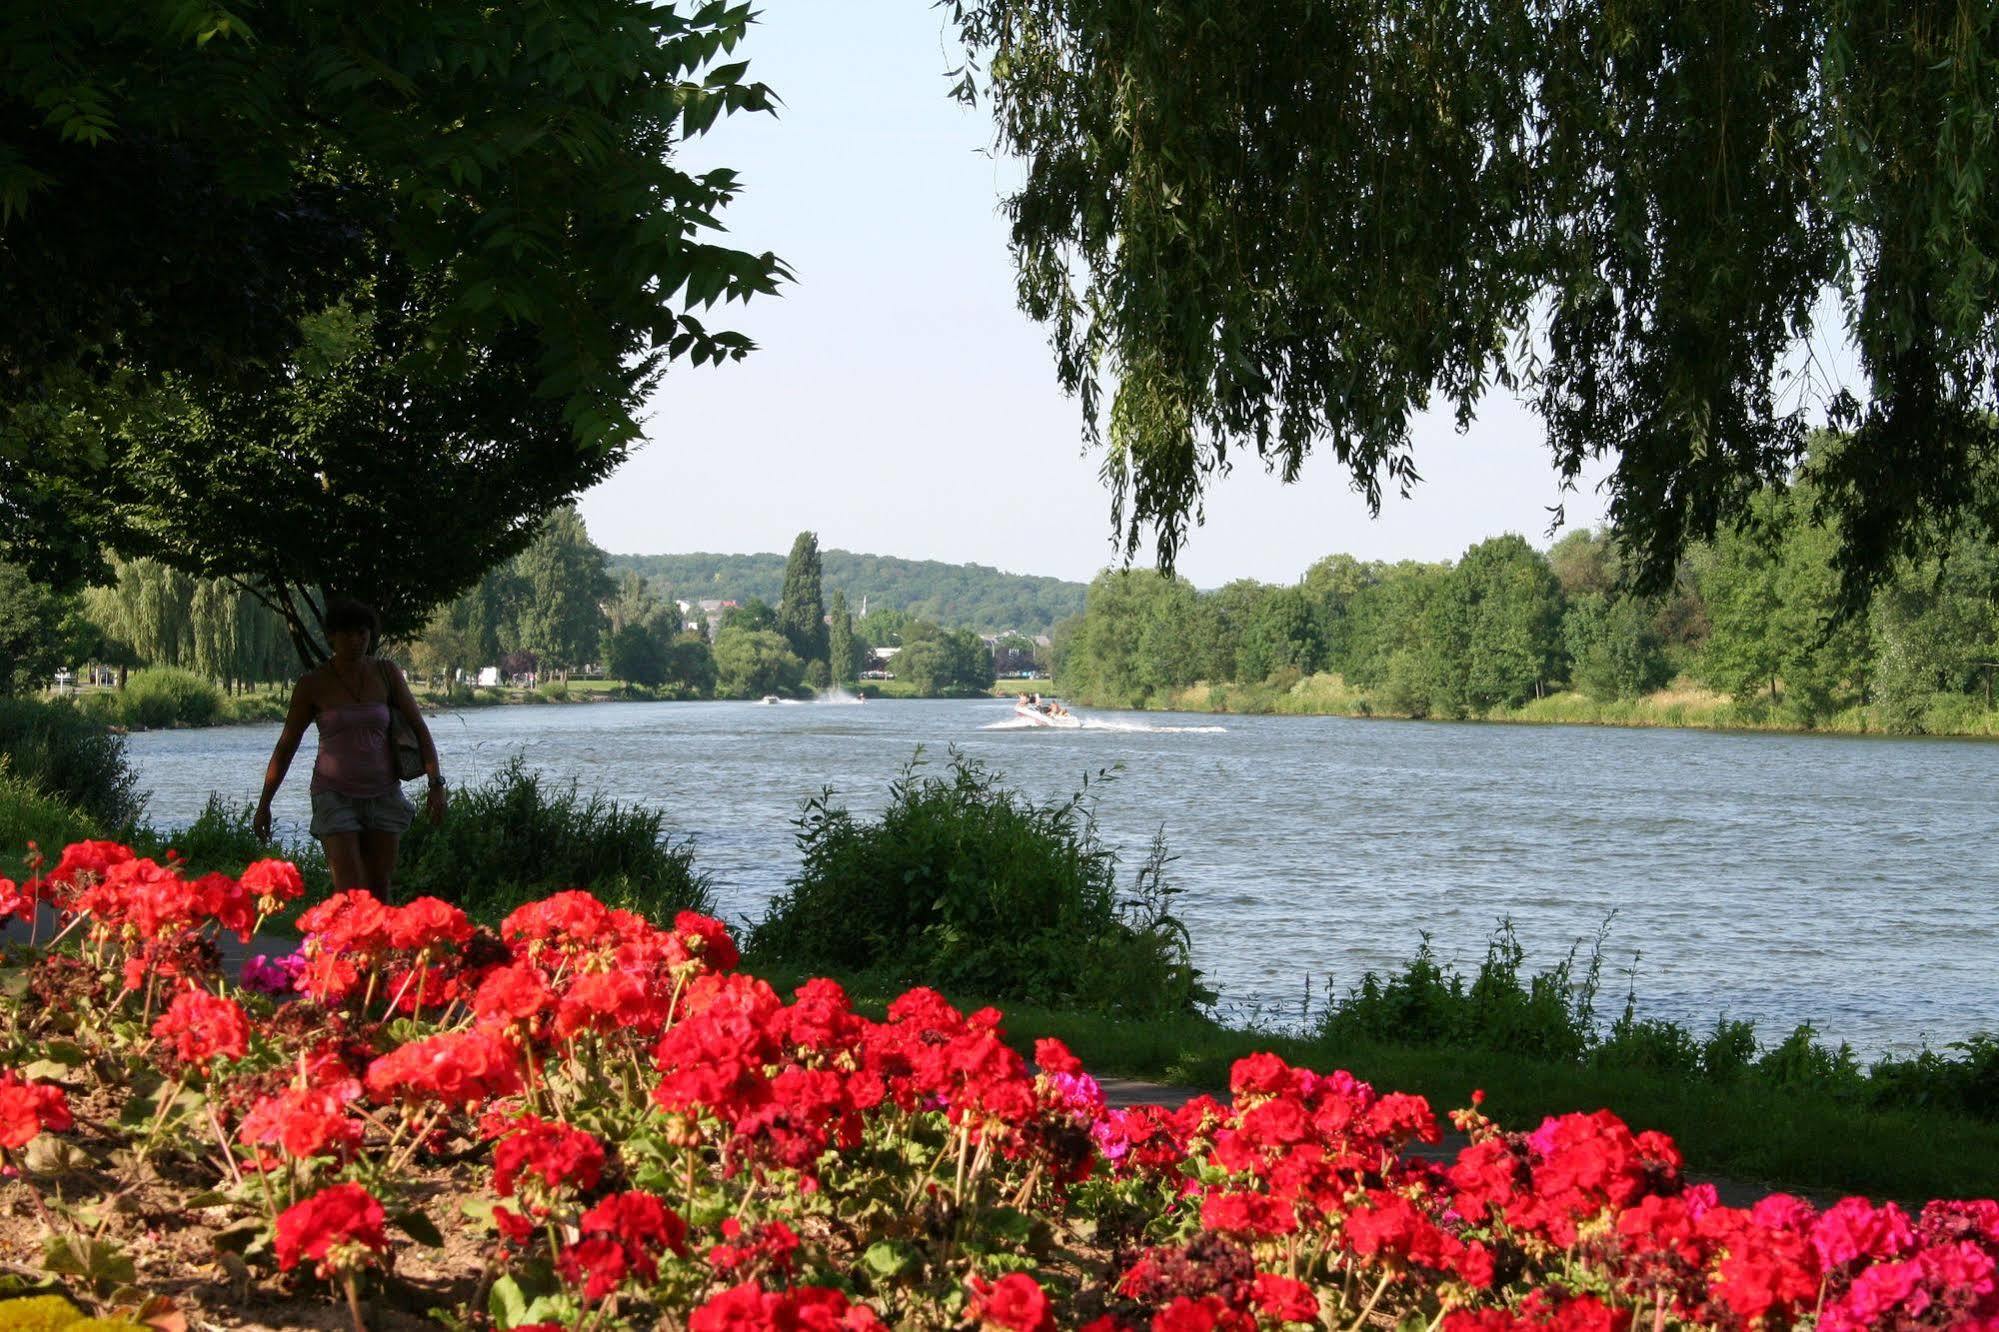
(705, 615)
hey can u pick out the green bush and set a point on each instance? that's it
(965, 885)
(1550, 1016)
(511, 839)
(255, 706)
(167, 696)
(220, 839)
(1729, 1051)
(67, 755)
(1930, 1081)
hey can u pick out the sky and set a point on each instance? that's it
(900, 404)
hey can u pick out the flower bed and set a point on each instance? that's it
(591, 1121)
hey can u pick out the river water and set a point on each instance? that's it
(1844, 881)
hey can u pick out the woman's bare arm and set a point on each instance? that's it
(298, 716)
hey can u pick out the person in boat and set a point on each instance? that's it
(359, 811)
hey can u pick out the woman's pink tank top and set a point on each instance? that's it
(354, 751)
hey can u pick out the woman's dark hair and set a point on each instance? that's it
(347, 613)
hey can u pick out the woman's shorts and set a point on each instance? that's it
(333, 812)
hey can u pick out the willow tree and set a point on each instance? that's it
(153, 614)
(1286, 226)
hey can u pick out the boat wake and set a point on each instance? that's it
(1094, 724)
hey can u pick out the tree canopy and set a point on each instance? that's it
(1286, 225)
(180, 182)
(487, 195)
(363, 473)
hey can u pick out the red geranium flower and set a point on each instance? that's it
(203, 1026)
(1286, 1300)
(305, 1121)
(339, 1229)
(707, 939)
(427, 922)
(458, 1068)
(749, 1308)
(512, 994)
(274, 880)
(562, 1157)
(1015, 1302)
(1254, 1214)
(26, 1108)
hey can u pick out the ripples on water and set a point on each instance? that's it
(1844, 881)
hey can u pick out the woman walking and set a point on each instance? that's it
(359, 812)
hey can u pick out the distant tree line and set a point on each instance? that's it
(967, 596)
(1752, 614)
(554, 608)
(563, 604)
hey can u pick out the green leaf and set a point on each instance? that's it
(241, 1237)
(480, 1212)
(68, 1054)
(92, 1260)
(506, 1304)
(889, 1258)
(51, 1156)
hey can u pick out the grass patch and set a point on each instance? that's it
(887, 689)
(255, 706)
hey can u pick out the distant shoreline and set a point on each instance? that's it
(1681, 707)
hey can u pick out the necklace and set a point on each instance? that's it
(353, 690)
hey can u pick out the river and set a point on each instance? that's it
(1844, 881)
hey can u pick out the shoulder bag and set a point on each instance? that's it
(405, 750)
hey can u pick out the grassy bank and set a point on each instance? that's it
(1681, 705)
(899, 689)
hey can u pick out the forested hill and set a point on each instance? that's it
(963, 596)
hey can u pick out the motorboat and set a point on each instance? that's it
(1046, 712)
(772, 699)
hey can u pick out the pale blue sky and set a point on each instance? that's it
(899, 403)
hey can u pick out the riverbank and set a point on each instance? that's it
(264, 705)
(1681, 706)
(1799, 1122)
